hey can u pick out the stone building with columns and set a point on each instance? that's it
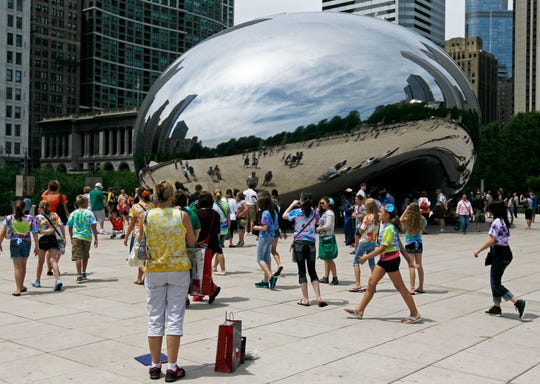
(84, 142)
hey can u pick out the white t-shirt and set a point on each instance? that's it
(250, 196)
(233, 207)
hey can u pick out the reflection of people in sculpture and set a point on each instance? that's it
(217, 172)
(340, 164)
(191, 171)
(246, 162)
(185, 173)
(253, 180)
(267, 178)
(210, 173)
(329, 172)
(255, 163)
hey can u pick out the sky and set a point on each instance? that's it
(246, 10)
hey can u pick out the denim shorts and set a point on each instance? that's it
(264, 249)
(362, 250)
(19, 249)
(414, 247)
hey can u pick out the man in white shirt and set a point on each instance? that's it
(250, 196)
(362, 191)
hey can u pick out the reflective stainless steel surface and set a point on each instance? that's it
(281, 72)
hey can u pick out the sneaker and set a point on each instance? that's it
(221, 273)
(272, 282)
(113, 236)
(36, 284)
(334, 281)
(84, 278)
(79, 280)
(101, 231)
(173, 375)
(520, 307)
(155, 372)
(262, 284)
(58, 285)
(495, 310)
(323, 280)
(123, 236)
(197, 298)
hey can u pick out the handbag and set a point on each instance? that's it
(328, 249)
(231, 345)
(143, 252)
(489, 258)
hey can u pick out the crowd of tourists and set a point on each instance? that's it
(178, 240)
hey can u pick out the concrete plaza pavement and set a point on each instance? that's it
(92, 332)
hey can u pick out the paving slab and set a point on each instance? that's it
(93, 331)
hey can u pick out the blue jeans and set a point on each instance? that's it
(305, 254)
(502, 257)
(364, 248)
(464, 221)
(264, 249)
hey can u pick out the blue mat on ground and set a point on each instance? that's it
(147, 359)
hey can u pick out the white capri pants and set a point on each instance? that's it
(166, 294)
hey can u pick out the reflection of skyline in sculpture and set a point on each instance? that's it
(291, 70)
(287, 71)
(418, 89)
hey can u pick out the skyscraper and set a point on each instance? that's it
(480, 67)
(526, 56)
(423, 16)
(492, 21)
(14, 80)
(127, 44)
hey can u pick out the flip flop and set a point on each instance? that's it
(357, 289)
(419, 291)
(138, 282)
(411, 319)
(302, 303)
(322, 304)
(352, 311)
(16, 294)
(24, 289)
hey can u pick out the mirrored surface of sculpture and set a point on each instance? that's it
(328, 99)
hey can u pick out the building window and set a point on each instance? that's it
(10, 38)
(8, 147)
(8, 129)
(9, 93)
(17, 130)
(10, 4)
(10, 57)
(18, 76)
(17, 149)
(18, 58)
(9, 111)
(10, 20)
(17, 94)
(18, 40)
(17, 112)
(19, 5)
(9, 74)
(19, 22)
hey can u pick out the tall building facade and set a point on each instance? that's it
(14, 80)
(526, 55)
(423, 16)
(481, 69)
(127, 44)
(54, 64)
(493, 22)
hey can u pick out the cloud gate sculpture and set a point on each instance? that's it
(335, 99)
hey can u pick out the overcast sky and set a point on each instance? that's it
(246, 10)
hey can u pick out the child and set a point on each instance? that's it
(82, 225)
(267, 229)
(117, 223)
(21, 228)
(413, 224)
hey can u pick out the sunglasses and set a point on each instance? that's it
(322, 203)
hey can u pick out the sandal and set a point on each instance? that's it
(322, 303)
(16, 294)
(357, 289)
(352, 311)
(323, 280)
(419, 291)
(301, 302)
(411, 319)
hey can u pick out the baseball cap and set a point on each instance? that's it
(99, 185)
(348, 190)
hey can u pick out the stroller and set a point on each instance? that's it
(117, 225)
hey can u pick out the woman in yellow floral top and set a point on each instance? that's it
(167, 278)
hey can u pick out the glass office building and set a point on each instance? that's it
(492, 21)
(423, 16)
(126, 44)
